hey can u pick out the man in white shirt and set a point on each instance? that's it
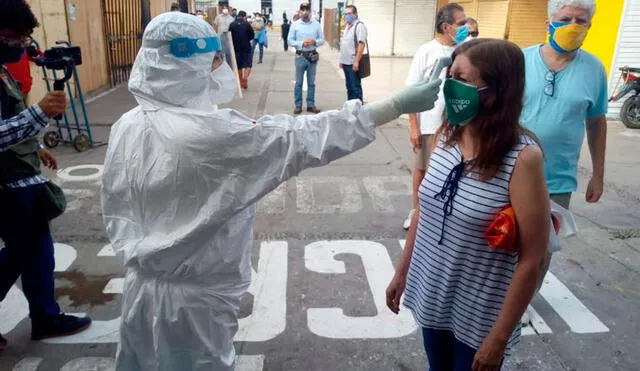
(223, 21)
(451, 30)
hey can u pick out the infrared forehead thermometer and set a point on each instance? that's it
(440, 64)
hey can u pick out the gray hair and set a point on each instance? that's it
(445, 15)
(555, 6)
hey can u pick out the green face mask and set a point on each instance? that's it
(462, 101)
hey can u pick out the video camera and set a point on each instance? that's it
(62, 58)
(59, 57)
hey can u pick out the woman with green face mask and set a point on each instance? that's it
(468, 297)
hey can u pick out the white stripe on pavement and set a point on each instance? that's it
(573, 312)
(250, 363)
(537, 324)
(28, 364)
(107, 251)
(114, 286)
(65, 255)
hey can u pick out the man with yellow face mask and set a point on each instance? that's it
(566, 96)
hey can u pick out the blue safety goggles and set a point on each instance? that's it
(184, 47)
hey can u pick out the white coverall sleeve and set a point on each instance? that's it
(277, 148)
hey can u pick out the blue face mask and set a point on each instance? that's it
(10, 54)
(350, 18)
(461, 34)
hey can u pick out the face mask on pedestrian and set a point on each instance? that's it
(566, 37)
(350, 18)
(10, 54)
(306, 16)
(462, 32)
(462, 101)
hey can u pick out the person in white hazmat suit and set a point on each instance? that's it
(180, 183)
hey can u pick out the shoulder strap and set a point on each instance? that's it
(355, 37)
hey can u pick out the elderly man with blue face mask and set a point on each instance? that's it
(180, 184)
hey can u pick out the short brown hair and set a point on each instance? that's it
(352, 7)
(497, 125)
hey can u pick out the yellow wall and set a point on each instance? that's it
(53, 26)
(603, 34)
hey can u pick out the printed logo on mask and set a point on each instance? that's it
(459, 105)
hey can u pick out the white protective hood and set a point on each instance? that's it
(179, 189)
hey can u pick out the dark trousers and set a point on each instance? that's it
(445, 352)
(260, 48)
(285, 44)
(353, 82)
(28, 251)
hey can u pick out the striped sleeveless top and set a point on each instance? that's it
(455, 281)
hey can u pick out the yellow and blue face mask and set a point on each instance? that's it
(566, 37)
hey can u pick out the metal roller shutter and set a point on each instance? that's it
(378, 16)
(526, 23)
(415, 25)
(492, 18)
(627, 48)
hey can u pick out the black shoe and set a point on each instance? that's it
(3, 343)
(58, 325)
(259, 62)
(297, 111)
(313, 110)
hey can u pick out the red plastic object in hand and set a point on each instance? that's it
(502, 232)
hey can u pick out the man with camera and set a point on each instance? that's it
(29, 201)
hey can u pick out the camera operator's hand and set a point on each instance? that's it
(54, 103)
(48, 159)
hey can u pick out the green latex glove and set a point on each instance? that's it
(416, 98)
(412, 99)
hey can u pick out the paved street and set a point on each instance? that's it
(325, 246)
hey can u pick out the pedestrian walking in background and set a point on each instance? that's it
(566, 97)
(242, 35)
(352, 48)
(259, 30)
(285, 32)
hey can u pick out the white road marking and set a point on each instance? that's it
(28, 364)
(348, 200)
(114, 286)
(107, 250)
(537, 324)
(250, 363)
(13, 309)
(573, 312)
(377, 187)
(269, 290)
(64, 256)
(76, 197)
(274, 202)
(632, 134)
(90, 364)
(66, 176)
(332, 322)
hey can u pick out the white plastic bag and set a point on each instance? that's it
(568, 226)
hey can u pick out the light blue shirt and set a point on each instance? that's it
(301, 31)
(580, 93)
